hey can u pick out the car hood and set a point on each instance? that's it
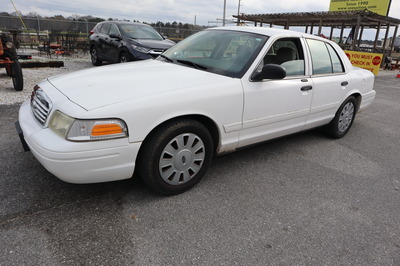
(100, 86)
(153, 44)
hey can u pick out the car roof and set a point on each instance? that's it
(269, 31)
(123, 22)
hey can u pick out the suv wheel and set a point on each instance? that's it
(95, 56)
(123, 57)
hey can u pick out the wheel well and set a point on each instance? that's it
(358, 99)
(126, 52)
(206, 121)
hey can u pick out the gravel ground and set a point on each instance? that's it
(33, 76)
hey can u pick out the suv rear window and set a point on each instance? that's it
(105, 28)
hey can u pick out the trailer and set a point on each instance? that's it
(9, 60)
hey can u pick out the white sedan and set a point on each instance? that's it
(214, 92)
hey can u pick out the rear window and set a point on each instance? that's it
(325, 60)
(97, 28)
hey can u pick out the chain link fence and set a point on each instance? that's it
(65, 36)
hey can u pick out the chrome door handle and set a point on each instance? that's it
(306, 88)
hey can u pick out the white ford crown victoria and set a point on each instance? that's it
(216, 91)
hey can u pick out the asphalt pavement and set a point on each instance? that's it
(300, 200)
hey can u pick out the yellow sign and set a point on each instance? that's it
(368, 61)
(380, 7)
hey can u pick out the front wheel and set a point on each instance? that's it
(176, 156)
(343, 119)
(123, 58)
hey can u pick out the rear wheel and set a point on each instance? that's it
(94, 55)
(343, 119)
(176, 156)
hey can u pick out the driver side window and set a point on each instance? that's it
(288, 53)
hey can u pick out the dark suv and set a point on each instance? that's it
(117, 41)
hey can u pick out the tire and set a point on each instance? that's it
(123, 57)
(9, 68)
(9, 71)
(17, 77)
(176, 156)
(343, 119)
(94, 55)
(14, 71)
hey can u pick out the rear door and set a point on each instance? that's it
(111, 44)
(103, 39)
(330, 82)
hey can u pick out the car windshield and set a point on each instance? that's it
(224, 52)
(140, 32)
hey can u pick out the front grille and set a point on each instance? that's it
(41, 106)
(156, 52)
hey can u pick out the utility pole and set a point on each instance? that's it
(38, 31)
(223, 18)
(238, 19)
(87, 28)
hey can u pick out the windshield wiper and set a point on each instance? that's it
(190, 63)
(166, 58)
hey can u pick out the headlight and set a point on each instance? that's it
(60, 123)
(87, 130)
(140, 49)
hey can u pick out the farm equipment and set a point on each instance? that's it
(9, 60)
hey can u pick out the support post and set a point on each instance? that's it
(331, 35)
(393, 40)
(320, 27)
(377, 35)
(386, 37)
(361, 34)
(341, 33)
(357, 30)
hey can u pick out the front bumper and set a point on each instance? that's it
(21, 136)
(77, 162)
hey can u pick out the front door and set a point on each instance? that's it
(274, 108)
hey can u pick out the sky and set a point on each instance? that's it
(201, 12)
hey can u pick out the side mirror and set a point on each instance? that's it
(115, 36)
(270, 71)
